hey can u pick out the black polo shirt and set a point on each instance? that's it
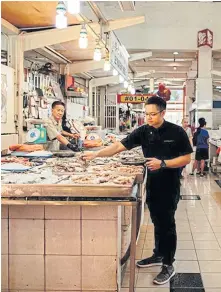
(167, 142)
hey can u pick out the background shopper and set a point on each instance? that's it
(202, 147)
(167, 148)
(185, 125)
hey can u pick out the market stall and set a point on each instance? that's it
(79, 211)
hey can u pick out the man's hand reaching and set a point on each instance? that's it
(87, 156)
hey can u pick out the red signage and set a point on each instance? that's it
(205, 38)
(132, 98)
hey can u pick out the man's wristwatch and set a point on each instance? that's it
(163, 164)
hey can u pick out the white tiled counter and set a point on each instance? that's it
(54, 248)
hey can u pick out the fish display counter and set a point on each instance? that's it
(69, 218)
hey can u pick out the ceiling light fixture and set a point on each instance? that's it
(73, 6)
(133, 91)
(174, 68)
(115, 72)
(126, 84)
(176, 53)
(83, 40)
(97, 52)
(107, 65)
(61, 18)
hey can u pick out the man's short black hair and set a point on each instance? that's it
(158, 101)
(58, 102)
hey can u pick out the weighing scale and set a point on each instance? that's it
(37, 135)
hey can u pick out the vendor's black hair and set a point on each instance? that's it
(158, 101)
(57, 103)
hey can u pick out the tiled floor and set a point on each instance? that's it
(198, 256)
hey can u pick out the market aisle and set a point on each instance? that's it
(198, 257)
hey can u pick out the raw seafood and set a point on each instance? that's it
(25, 147)
(117, 167)
(32, 178)
(20, 160)
(93, 143)
(104, 179)
(66, 165)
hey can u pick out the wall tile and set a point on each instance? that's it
(62, 237)
(4, 272)
(4, 211)
(62, 212)
(99, 237)
(99, 273)
(99, 212)
(63, 272)
(26, 272)
(26, 236)
(4, 236)
(26, 212)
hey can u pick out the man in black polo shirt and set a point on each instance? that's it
(167, 148)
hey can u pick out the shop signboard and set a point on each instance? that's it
(118, 56)
(132, 98)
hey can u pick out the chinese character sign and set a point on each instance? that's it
(205, 38)
(118, 57)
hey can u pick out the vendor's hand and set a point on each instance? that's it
(153, 164)
(75, 135)
(89, 156)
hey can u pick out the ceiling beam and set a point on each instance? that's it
(124, 22)
(8, 28)
(53, 55)
(127, 5)
(216, 72)
(117, 88)
(104, 81)
(84, 66)
(161, 69)
(141, 74)
(139, 56)
(171, 75)
(34, 40)
(161, 63)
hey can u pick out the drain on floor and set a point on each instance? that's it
(218, 182)
(196, 198)
(188, 281)
(187, 290)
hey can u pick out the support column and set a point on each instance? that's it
(90, 98)
(204, 87)
(151, 85)
(117, 116)
(189, 95)
(102, 106)
(20, 86)
(16, 61)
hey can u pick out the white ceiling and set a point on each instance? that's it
(169, 27)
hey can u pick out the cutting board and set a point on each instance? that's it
(30, 155)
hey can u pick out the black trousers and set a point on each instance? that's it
(162, 214)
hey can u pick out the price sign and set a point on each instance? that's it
(132, 98)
